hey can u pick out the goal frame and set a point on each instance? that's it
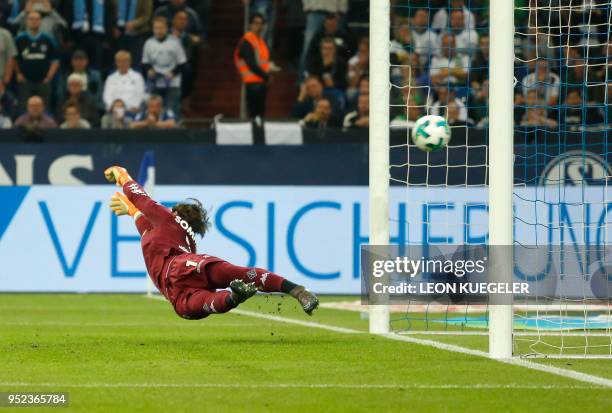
(501, 144)
(379, 175)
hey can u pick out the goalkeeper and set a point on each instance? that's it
(195, 284)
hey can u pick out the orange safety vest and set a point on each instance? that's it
(262, 57)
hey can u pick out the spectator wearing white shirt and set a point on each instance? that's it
(125, 84)
(163, 59)
(446, 97)
(544, 82)
(440, 19)
(466, 40)
(450, 67)
(426, 42)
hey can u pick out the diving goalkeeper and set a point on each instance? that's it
(195, 284)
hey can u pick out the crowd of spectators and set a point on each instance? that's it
(440, 65)
(132, 63)
(97, 63)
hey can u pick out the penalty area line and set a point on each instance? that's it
(568, 374)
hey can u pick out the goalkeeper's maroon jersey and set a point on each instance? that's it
(163, 234)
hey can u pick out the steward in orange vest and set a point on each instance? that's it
(252, 60)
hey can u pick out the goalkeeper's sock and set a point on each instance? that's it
(287, 286)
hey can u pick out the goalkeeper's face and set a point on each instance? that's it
(194, 213)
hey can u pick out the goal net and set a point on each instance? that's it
(558, 148)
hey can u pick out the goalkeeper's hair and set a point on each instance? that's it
(194, 213)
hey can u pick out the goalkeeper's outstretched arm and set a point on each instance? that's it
(120, 205)
(138, 197)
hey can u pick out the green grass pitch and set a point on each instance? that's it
(127, 353)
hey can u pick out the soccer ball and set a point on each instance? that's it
(431, 133)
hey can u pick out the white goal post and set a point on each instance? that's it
(500, 150)
(379, 178)
(501, 166)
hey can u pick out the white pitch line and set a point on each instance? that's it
(570, 374)
(475, 386)
(296, 322)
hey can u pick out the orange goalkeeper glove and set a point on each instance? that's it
(122, 206)
(117, 174)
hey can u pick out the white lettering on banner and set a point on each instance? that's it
(24, 174)
(262, 226)
(5, 179)
(60, 171)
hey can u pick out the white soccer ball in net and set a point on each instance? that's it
(431, 133)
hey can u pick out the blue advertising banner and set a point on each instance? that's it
(61, 238)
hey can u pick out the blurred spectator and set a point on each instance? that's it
(133, 25)
(5, 121)
(331, 28)
(362, 88)
(72, 114)
(179, 30)
(8, 104)
(321, 117)
(77, 94)
(360, 118)
(312, 90)
(426, 41)
(453, 115)
(252, 60)
(410, 73)
(163, 59)
(406, 109)
(358, 66)
(450, 67)
(441, 18)
(35, 118)
(466, 40)
(576, 113)
(267, 8)
(37, 61)
(51, 22)
(329, 66)
(479, 70)
(544, 82)
(180, 26)
(8, 52)
(194, 26)
(91, 77)
(401, 44)
(116, 117)
(125, 84)
(91, 23)
(533, 44)
(536, 116)
(575, 74)
(295, 21)
(316, 10)
(478, 103)
(535, 113)
(155, 116)
(445, 97)
(605, 110)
